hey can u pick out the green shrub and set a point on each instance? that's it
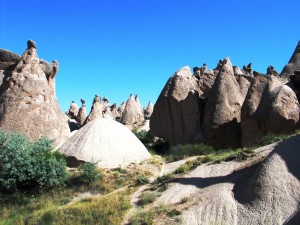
(144, 218)
(182, 169)
(141, 180)
(26, 165)
(88, 172)
(144, 136)
(173, 213)
(147, 197)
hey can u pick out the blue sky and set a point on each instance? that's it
(114, 47)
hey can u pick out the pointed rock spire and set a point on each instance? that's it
(293, 64)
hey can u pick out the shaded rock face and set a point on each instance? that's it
(176, 115)
(132, 113)
(223, 110)
(293, 64)
(269, 106)
(73, 111)
(8, 61)
(28, 101)
(206, 83)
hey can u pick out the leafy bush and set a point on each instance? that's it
(25, 165)
(141, 180)
(144, 136)
(88, 172)
(140, 217)
(147, 197)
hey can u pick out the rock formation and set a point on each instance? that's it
(176, 114)
(269, 106)
(132, 113)
(28, 101)
(96, 110)
(73, 111)
(81, 116)
(223, 109)
(149, 110)
(106, 142)
(121, 108)
(293, 64)
(137, 100)
(8, 62)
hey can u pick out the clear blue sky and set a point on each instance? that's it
(116, 47)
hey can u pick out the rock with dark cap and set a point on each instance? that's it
(223, 109)
(132, 113)
(81, 116)
(28, 101)
(31, 44)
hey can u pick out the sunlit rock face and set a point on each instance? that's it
(28, 102)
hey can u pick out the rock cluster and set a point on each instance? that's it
(130, 113)
(28, 102)
(227, 106)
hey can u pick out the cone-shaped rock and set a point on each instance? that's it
(294, 63)
(121, 108)
(138, 102)
(176, 114)
(96, 110)
(106, 142)
(28, 102)
(132, 113)
(73, 110)
(81, 116)
(269, 106)
(223, 109)
(149, 110)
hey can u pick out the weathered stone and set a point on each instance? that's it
(137, 100)
(73, 111)
(223, 109)
(28, 101)
(148, 110)
(96, 110)
(121, 108)
(293, 64)
(105, 142)
(176, 114)
(238, 71)
(132, 113)
(81, 116)
(269, 106)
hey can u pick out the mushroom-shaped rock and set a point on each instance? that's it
(96, 110)
(81, 116)
(293, 64)
(223, 109)
(28, 102)
(176, 115)
(73, 110)
(106, 142)
(269, 106)
(149, 110)
(132, 113)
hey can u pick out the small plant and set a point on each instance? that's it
(182, 169)
(88, 173)
(184, 200)
(144, 218)
(173, 213)
(144, 136)
(141, 180)
(147, 197)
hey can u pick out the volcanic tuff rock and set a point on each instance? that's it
(223, 110)
(269, 106)
(254, 191)
(294, 63)
(28, 101)
(132, 113)
(96, 110)
(176, 114)
(106, 142)
(73, 110)
(81, 116)
(149, 110)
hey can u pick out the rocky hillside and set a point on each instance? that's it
(227, 106)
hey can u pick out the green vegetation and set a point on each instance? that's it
(144, 136)
(147, 197)
(88, 173)
(26, 165)
(141, 180)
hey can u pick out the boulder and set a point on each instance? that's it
(269, 106)
(73, 110)
(176, 115)
(132, 113)
(106, 142)
(223, 109)
(28, 102)
(293, 64)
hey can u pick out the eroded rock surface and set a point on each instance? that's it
(28, 101)
(293, 64)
